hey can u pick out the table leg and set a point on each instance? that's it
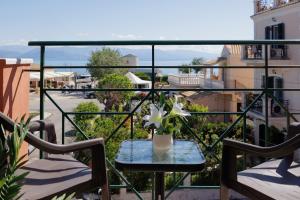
(159, 186)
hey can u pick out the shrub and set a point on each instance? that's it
(143, 76)
(85, 121)
(113, 99)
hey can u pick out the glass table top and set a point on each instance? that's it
(139, 154)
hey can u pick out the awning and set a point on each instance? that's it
(50, 75)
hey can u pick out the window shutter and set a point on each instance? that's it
(267, 32)
(279, 84)
(263, 81)
(281, 34)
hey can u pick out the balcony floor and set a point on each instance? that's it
(186, 194)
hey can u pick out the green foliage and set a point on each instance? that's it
(64, 197)
(85, 121)
(209, 134)
(10, 161)
(197, 61)
(164, 79)
(103, 126)
(197, 121)
(143, 76)
(185, 70)
(105, 57)
(114, 98)
(169, 179)
(189, 67)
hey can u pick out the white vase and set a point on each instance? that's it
(162, 143)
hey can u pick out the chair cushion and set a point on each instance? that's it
(53, 175)
(277, 182)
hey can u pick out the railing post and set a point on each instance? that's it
(288, 121)
(63, 128)
(131, 125)
(153, 71)
(42, 97)
(244, 136)
(266, 94)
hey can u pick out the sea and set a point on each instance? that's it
(163, 71)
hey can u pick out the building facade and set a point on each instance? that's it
(273, 20)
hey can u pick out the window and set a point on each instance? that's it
(274, 82)
(275, 32)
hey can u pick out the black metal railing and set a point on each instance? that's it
(153, 92)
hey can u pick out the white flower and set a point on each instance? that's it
(177, 110)
(155, 117)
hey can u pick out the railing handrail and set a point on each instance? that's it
(266, 91)
(159, 42)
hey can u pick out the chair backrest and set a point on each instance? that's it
(6, 122)
(39, 125)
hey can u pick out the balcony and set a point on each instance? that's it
(256, 52)
(124, 119)
(194, 81)
(265, 5)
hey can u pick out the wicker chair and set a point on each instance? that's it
(58, 173)
(275, 179)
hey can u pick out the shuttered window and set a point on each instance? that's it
(275, 32)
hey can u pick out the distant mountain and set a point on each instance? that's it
(83, 53)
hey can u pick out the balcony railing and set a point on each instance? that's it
(263, 5)
(209, 143)
(194, 80)
(256, 52)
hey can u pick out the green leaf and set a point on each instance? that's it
(10, 145)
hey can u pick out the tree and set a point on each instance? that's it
(185, 70)
(105, 57)
(113, 99)
(143, 76)
(197, 61)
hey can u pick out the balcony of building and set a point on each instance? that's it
(257, 52)
(194, 81)
(123, 121)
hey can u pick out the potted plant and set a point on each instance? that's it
(164, 123)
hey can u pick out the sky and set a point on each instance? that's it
(26, 20)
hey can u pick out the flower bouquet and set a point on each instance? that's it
(164, 123)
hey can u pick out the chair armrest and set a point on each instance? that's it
(283, 149)
(231, 149)
(61, 149)
(99, 174)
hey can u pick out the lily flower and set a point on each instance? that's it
(177, 109)
(155, 117)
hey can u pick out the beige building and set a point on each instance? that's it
(130, 60)
(278, 19)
